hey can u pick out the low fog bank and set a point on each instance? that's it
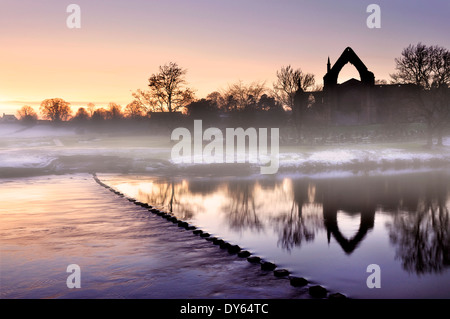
(46, 149)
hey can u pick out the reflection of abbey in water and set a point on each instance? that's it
(297, 210)
(335, 196)
(420, 226)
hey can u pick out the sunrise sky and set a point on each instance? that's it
(121, 43)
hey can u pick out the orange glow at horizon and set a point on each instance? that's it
(121, 44)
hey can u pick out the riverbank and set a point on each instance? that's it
(44, 150)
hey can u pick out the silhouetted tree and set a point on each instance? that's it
(239, 96)
(99, 115)
(217, 99)
(27, 115)
(202, 109)
(231, 103)
(268, 112)
(168, 92)
(114, 111)
(146, 100)
(269, 104)
(289, 81)
(55, 109)
(424, 66)
(81, 116)
(134, 110)
(91, 108)
(428, 68)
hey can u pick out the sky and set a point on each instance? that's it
(122, 43)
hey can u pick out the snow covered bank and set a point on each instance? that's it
(352, 158)
(45, 149)
(345, 158)
(36, 131)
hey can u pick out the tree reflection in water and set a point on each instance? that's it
(241, 212)
(167, 194)
(297, 210)
(302, 222)
(421, 237)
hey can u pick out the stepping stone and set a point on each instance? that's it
(182, 224)
(254, 259)
(268, 266)
(225, 245)
(281, 272)
(298, 281)
(234, 249)
(244, 254)
(317, 291)
(197, 232)
(205, 235)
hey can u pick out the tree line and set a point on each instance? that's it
(427, 68)
(168, 92)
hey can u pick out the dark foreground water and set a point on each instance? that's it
(327, 229)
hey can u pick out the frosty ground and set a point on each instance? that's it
(44, 149)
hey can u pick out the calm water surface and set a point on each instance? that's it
(50, 222)
(327, 230)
